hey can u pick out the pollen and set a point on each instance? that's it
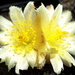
(6, 29)
(56, 37)
(23, 39)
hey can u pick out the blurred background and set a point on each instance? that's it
(14, 1)
(21, 3)
(47, 69)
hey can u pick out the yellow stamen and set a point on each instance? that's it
(24, 40)
(56, 36)
(6, 29)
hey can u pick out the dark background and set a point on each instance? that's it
(8, 3)
(13, 1)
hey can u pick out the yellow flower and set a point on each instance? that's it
(59, 36)
(22, 39)
(32, 35)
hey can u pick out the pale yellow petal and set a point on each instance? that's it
(71, 46)
(44, 15)
(65, 17)
(66, 63)
(22, 64)
(5, 24)
(4, 52)
(10, 60)
(29, 11)
(16, 15)
(29, 14)
(50, 11)
(66, 56)
(31, 58)
(70, 27)
(57, 63)
(4, 38)
(57, 14)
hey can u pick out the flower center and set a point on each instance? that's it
(56, 37)
(23, 38)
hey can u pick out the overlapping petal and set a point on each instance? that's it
(5, 24)
(56, 63)
(29, 11)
